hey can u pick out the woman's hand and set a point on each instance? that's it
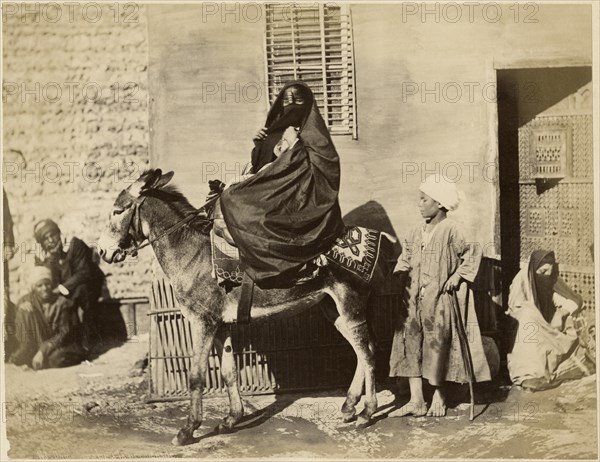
(260, 135)
(452, 283)
(290, 135)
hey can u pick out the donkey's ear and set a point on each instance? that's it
(156, 180)
(145, 182)
(164, 179)
(152, 177)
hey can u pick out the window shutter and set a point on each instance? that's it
(314, 44)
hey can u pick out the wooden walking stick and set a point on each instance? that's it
(464, 347)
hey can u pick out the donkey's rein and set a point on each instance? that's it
(180, 224)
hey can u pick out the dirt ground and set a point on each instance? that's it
(98, 410)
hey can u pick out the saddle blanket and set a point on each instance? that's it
(358, 250)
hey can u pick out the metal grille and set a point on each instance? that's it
(301, 352)
(314, 44)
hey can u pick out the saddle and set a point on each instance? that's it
(229, 272)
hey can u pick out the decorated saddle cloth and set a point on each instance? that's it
(358, 250)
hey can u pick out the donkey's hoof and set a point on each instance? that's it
(346, 418)
(363, 421)
(223, 429)
(183, 438)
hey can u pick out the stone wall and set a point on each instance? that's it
(75, 99)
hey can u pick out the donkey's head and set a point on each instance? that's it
(125, 229)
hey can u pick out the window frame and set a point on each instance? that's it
(291, 13)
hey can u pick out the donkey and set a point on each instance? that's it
(149, 210)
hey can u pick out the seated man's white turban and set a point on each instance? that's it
(38, 274)
(442, 190)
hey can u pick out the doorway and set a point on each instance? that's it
(546, 171)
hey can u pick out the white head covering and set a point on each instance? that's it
(442, 190)
(37, 274)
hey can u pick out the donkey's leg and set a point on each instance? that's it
(329, 307)
(357, 334)
(202, 337)
(356, 387)
(230, 375)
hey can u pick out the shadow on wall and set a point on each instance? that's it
(372, 215)
(108, 326)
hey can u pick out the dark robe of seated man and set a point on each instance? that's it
(75, 273)
(47, 326)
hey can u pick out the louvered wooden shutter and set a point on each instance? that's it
(314, 44)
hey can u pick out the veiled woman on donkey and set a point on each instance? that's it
(287, 213)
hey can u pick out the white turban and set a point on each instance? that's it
(442, 190)
(37, 274)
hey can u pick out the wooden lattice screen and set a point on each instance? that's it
(313, 43)
(561, 217)
(549, 150)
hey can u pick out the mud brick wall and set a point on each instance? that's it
(75, 124)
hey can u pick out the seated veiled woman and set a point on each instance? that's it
(546, 348)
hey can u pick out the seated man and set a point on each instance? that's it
(287, 213)
(75, 274)
(546, 349)
(47, 327)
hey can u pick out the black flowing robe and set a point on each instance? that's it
(288, 213)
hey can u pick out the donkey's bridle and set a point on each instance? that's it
(135, 216)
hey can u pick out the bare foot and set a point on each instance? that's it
(414, 408)
(438, 406)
